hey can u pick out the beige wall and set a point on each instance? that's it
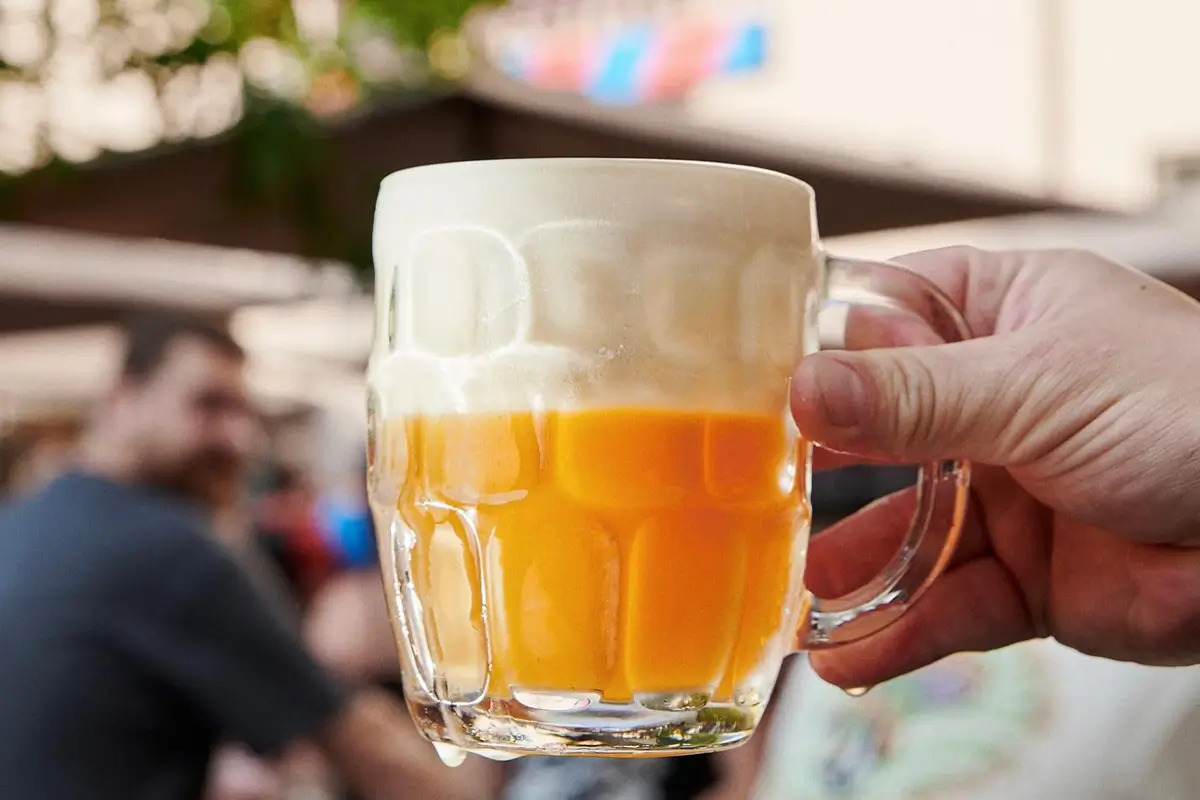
(873, 78)
(998, 92)
(1135, 93)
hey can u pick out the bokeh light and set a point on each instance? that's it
(80, 78)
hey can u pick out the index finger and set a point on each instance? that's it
(976, 281)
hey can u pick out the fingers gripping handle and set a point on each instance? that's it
(874, 304)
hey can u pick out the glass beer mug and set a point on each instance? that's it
(591, 497)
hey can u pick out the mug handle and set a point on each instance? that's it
(854, 291)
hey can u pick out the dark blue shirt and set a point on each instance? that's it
(130, 644)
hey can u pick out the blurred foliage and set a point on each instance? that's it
(416, 21)
(281, 157)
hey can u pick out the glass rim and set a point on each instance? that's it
(582, 163)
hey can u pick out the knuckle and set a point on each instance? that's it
(974, 256)
(912, 397)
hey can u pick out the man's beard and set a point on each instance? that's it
(212, 481)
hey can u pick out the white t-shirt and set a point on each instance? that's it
(1037, 721)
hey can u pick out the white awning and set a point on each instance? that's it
(77, 267)
(335, 330)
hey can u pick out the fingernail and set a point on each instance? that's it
(840, 392)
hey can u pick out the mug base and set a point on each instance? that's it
(508, 728)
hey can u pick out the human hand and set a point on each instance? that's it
(1080, 407)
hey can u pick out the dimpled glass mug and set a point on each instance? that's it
(592, 499)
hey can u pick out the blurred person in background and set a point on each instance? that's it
(288, 530)
(235, 771)
(320, 533)
(347, 623)
(133, 641)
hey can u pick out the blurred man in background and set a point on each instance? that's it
(133, 642)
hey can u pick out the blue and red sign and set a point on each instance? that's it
(639, 62)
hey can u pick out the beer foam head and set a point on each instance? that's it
(498, 282)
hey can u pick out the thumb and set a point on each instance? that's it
(963, 400)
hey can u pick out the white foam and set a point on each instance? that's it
(514, 378)
(515, 285)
